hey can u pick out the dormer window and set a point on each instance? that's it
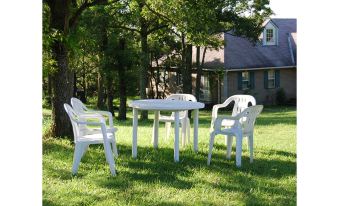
(270, 34)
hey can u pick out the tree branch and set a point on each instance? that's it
(156, 28)
(84, 6)
(160, 15)
(126, 28)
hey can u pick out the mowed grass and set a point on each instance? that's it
(154, 179)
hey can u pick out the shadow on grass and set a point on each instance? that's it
(158, 164)
(265, 121)
(156, 167)
(80, 198)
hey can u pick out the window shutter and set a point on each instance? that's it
(266, 79)
(239, 80)
(252, 80)
(277, 78)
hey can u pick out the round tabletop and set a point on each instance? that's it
(165, 105)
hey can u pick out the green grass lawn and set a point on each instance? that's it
(154, 179)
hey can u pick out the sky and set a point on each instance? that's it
(284, 8)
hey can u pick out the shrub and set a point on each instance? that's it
(281, 97)
(45, 102)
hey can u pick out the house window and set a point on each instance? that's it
(271, 79)
(245, 80)
(269, 35)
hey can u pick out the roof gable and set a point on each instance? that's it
(240, 53)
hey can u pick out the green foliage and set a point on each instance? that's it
(281, 97)
(154, 179)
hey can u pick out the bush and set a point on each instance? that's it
(46, 103)
(281, 97)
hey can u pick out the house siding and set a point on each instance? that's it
(262, 95)
(229, 86)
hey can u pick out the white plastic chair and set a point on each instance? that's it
(183, 117)
(243, 127)
(240, 103)
(84, 136)
(82, 110)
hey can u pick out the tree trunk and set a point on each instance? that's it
(84, 82)
(62, 87)
(144, 59)
(186, 66)
(103, 66)
(62, 78)
(189, 68)
(183, 64)
(74, 84)
(110, 97)
(199, 72)
(100, 100)
(122, 81)
(151, 93)
(203, 57)
(157, 79)
(49, 89)
(122, 94)
(198, 77)
(165, 84)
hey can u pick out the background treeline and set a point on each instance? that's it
(104, 49)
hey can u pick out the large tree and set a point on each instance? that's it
(63, 21)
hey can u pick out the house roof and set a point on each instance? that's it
(240, 53)
(213, 58)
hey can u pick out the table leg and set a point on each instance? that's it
(176, 136)
(183, 132)
(135, 133)
(196, 122)
(156, 129)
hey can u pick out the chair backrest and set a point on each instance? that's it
(78, 106)
(249, 116)
(73, 117)
(240, 102)
(182, 97)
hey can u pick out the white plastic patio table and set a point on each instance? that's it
(158, 105)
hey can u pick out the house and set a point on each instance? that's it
(243, 67)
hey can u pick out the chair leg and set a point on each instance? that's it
(212, 135)
(250, 145)
(183, 132)
(78, 153)
(168, 129)
(109, 157)
(188, 127)
(229, 146)
(238, 150)
(114, 146)
(85, 148)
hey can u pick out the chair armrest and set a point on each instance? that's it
(101, 124)
(217, 123)
(215, 112)
(216, 108)
(91, 115)
(106, 113)
(91, 123)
